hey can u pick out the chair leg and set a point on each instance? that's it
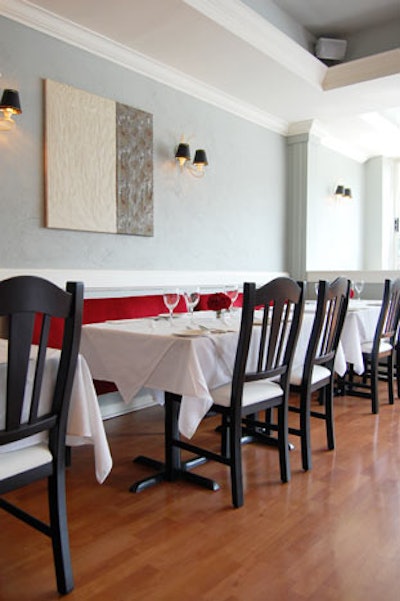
(390, 379)
(283, 442)
(236, 463)
(398, 369)
(225, 436)
(330, 424)
(374, 388)
(59, 532)
(268, 421)
(305, 426)
(350, 379)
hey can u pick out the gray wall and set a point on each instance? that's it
(335, 226)
(233, 218)
(324, 233)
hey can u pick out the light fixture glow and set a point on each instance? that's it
(182, 155)
(342, 192)
(10, 105)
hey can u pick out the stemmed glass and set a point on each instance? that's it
(192, 298)
(171, 300)
(359, 287)
(232, 291)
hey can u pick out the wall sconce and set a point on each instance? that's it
(342, 192)
(10, 105)
(196, 168)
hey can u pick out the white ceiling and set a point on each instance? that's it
(226, 53)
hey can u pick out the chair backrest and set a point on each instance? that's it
(29, 408)
(279, 306)
(388, 321)
(328, 323)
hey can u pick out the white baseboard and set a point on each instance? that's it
(112, 404)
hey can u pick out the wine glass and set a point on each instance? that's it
(232, 291)
(359, 287)
(192, 298)
(171, 300)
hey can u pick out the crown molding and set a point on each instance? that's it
(315, 128)
(243, 22)
(66, 31)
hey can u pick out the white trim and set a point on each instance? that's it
(113, 283)
(316, 129)
(246, 24)
(112, 405)
(85, 39)
(235, 17)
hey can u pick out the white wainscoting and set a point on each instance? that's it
(113, 283)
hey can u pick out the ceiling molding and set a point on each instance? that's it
(315, 128)
(85, 39)
(239, 19)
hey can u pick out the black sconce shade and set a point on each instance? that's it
(200, 158)
(10, 100)
(183, 152)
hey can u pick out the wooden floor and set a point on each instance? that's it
(330, 534)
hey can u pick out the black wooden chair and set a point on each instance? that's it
(263, 384)
(317, 373)
(39, 383)
(379, 353)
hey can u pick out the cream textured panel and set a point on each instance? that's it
(80, 160)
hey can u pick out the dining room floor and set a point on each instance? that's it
(331, 534)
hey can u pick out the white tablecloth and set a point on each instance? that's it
(85, 425)
(359, 327)
(155, 354)
(138, 353)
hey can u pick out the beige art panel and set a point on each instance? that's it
(80, 160)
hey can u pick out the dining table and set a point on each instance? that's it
(85, 425)
(189, 357)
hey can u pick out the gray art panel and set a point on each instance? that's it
(134, 171)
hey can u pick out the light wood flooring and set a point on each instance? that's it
(331, 534)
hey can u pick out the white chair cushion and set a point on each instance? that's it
(366, 347)
(21, 460)
(319, 373)
(253, 392)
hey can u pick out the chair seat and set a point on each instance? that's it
(253, 392)
(384, 347)
(22, 460)
(319, 373)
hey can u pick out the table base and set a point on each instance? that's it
(182, 473)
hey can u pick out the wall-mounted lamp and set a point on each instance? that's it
(342, 192)
(10, 105)
(196, 168)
